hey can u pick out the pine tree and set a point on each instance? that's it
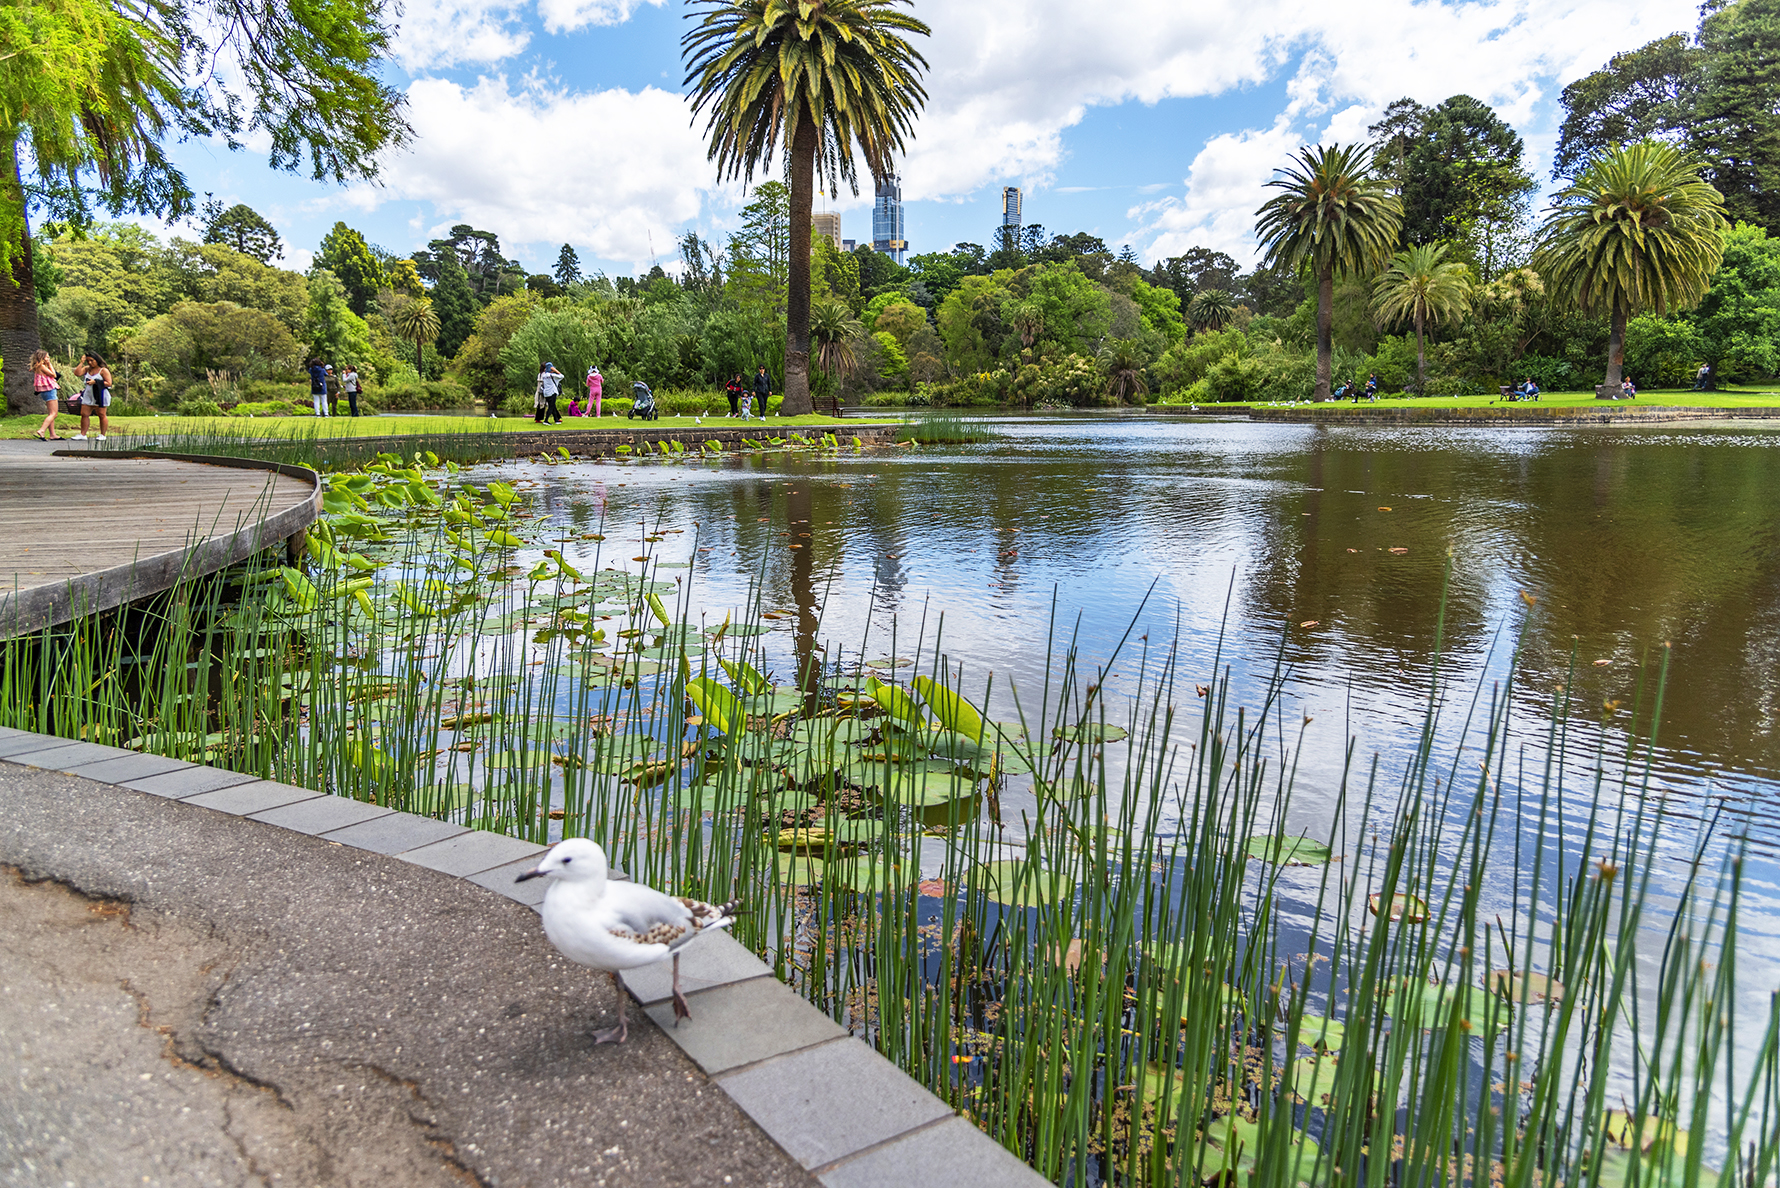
(568, 266)
(455, 304)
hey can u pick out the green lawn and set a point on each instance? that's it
(16, 427)
(1679, 397)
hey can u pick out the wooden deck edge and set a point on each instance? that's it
(25, 611)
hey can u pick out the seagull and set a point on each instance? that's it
(609, 925)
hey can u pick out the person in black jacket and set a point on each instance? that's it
(763, 387)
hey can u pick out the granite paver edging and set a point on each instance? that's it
(837, 1107)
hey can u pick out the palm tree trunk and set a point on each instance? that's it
(1421, 359)
(19, 337)
(1325, 331)
(418, 373)
(1616, 351)
(797, 283)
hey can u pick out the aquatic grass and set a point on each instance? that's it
(1494, 977)
(948, 428)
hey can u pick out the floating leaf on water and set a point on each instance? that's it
(1097, 732)
(1016, 884)
(1313, 1080)
(867, 874)
(915, 788)
(952, 710)
(1311, 623)
(889, 662)
(1399, 550)
(1411, 909)
(508, 759)
(1515, 987)
(673, 651)
(1431, 1004)
(1322, 1033)
(1649, 1135)
(799, 869)
(1289, 850)
(936, 889)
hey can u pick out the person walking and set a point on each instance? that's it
(318, 387)
(544, 402)
(596, 384)
(95, 395)
(44, 382)
(733, 390)
(349, 383)
(763, 387)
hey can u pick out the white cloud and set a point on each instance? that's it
(562, 16)
(1226, 183)
(439, 33)
(1009, 76)
(614, 171)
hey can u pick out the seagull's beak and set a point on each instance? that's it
(534, 873)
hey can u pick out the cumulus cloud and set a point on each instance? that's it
(563, 16)
(440, 33)
(614, 170)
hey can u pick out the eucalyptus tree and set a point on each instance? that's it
(1424, 288)
(1333, 215)
(813, 81)
(90, 88)
(1638, 231)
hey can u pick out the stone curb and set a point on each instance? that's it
(1508, 414)
(842, 1111)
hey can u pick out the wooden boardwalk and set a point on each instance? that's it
(87, 531)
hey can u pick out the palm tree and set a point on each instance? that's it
(1637, 230)
(415, 321)
(819, 77)
(1210, 309)
(1423, 287)
(1124, 371)
(1333, 216)
(834, 330)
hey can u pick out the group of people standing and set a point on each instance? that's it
(743, 396)
(328, 383)
(95, 395)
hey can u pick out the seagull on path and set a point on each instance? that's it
(609, 925)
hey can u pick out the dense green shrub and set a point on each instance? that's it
(271, 408)
(1663, 352)
(428, 395)
(1071, 379)
(194, 405)
(983, 388)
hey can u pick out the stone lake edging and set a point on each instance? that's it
(1507, 414)
(597, 443)
(836, 1106)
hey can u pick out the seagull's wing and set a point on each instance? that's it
(650, 917)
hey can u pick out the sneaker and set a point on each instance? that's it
(99, 436)
(78, 437)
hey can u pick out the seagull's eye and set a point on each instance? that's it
(566, 861)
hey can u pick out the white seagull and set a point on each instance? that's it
(610, 925)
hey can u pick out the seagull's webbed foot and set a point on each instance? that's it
(615, 1035)
(681, 1010)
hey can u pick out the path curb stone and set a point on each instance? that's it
(838, 1108)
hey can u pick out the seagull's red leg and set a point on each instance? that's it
(615, 1035)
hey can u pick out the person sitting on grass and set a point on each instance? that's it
(1628, 389)
(575, 409)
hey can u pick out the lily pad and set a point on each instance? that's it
(799, 869)
(1289, 850)
(1516, 987)
(1322, 1033)
(1015, 884)
(1096, 732)
(1410, 909)
(867, 874)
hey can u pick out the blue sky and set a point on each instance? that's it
(1150, 123)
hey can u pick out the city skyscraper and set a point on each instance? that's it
(827, 222)
(887, 233)
(1010, 207)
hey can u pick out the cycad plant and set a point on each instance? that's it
(416, 321)
(1124, 372)
(1638, 230)
(815, 79)
(1423, 288)
(1332, 215)
(1210, 309)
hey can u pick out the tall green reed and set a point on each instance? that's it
(1137, 979)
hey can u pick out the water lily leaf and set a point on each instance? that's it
(1095, 732)
(617, 754)
(747, 678)
(895, 701)
(1017, 884)
(1410, 909)
(1313, 1080)
(1516, 987)
(509, 759)
(1321, 1033)
(1431, 1004)
(981, 755)
(1289, 850)
(952, 710)
(924, 788)
(781, 699)
(800, 869)
(889, 662)
(867, 874)
(721, 708)
(672, 651)
(740, 630)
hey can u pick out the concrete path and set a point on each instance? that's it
(195, 999)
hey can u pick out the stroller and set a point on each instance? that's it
(642, 403)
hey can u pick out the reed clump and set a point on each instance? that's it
(1138, 978)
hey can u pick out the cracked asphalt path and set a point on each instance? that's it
(188, 998)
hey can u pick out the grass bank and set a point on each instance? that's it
(1679, 397)
(1469, 974)
(381, 426)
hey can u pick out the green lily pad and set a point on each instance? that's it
(1321, 1033)
(1013, 884)
(798, 869)
(1096, 732)
(868, 874)
(1289, 850)
(927, 789)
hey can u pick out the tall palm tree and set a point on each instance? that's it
(819, 78)
(1423, 287)
(415, 320)
(1637, 230)
(834, 330)
(1333, 215)
(1210, 309)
